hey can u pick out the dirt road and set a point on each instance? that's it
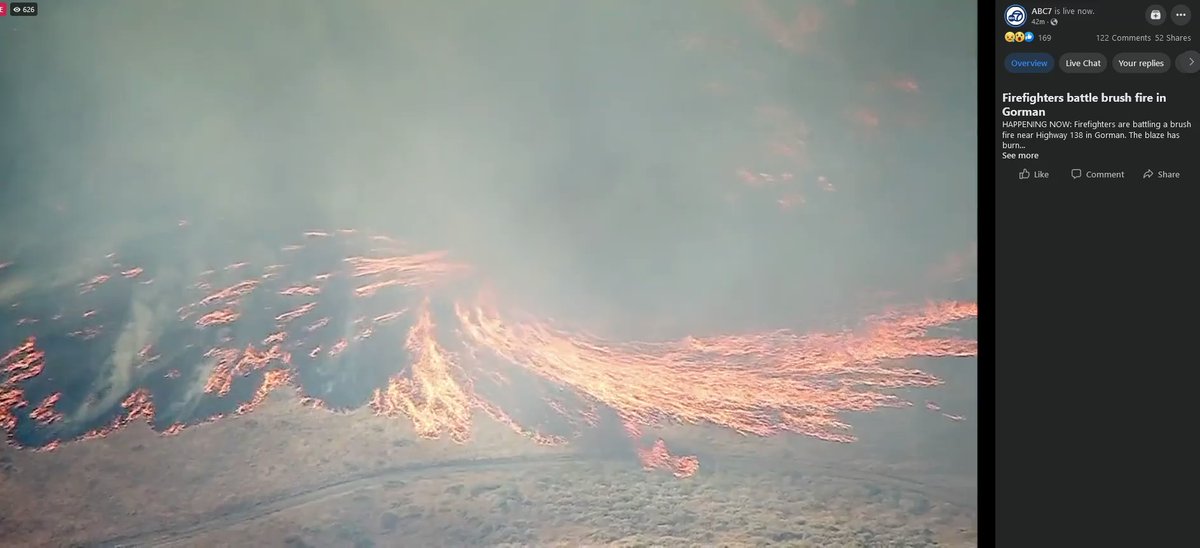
(226, 517)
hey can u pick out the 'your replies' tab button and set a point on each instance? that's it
(1027, 63)
(1141, 63)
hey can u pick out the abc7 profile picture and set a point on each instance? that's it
(1014, 15)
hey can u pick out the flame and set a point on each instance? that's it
(658, 458)
(795, 35)
(44, 413)
(317, 325)
(405, 271)
(11, 399)
(865, 117)
(218, 317)
(136, 405)
(433, 398)
(384, 318)
(957, 266)
(759, 384)
(906, 84)
(306, 290)
(782, 159)
(86, 333)
(22, 363)
(763, 383)
(221, 379)
(92, 284)
(295, 313)
(273, 379)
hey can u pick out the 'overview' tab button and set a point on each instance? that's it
(1025, 63)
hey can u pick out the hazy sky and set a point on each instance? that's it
(585, 154)
(599, 162)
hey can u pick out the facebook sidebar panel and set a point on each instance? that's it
(1101, 92)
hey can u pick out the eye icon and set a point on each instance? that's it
(1014, 15)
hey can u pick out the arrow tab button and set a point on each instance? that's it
(1188, 62)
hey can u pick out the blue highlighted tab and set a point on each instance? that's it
(1026, 63)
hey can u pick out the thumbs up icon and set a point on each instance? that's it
(1024, 174)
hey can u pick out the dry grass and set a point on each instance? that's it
(591, 503)
(772, 491)
(137, 480)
